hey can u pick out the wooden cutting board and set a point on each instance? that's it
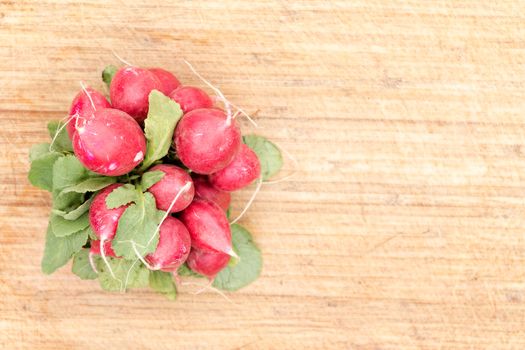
(403, 227)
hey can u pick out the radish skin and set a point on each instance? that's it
(208, 226)
(204, 142)
(204, 189)
(111, 143)
(84, 106)
(207, 263)
(130, 88)
(167, 188)
(169, 82)
(190, 98)
(241, 172)
(173, 248)
(104, 221)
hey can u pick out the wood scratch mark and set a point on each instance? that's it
(244, 345)
(385, 241)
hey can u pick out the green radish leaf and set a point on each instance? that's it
(108, 73)
(150, 178)
(91, 233)
(184, 270)
(79, 211)
(141, 279)
(81, 266)
(66, 202)
(241, 272)
(59, 250)
(121, 196)
(92, 184)
(163, 115)
(268, 154)
(62, 227)
(128, 274)
(68, 171)
(62, 142)
(41, 172)
(38, 150)
(162, 282)
(74, 213)
(137, 228)
(70, 181)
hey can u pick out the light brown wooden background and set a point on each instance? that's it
(404, 226)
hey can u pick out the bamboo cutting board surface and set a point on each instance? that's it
(403, 227)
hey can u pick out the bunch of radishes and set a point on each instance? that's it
(142, 185)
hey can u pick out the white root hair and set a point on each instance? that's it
(222, 98)
(76, 116)
(139, 256)
(245, 114)
(105, 259)
(227, 104)
(92, 262)
(125, 284)
(259, 183)
(57, 132)
(121, 59)
(88, 95)
(294, 170)
(232, 253)
(207, 286)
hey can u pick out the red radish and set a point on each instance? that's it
(207, 263)
(241, 172)
(169, 81)
(130, 88)
(173, 248)
(208, 226)
(190, 98)
(103, 220)
(108, 249)
(84, 107)
(110, 144)
(169, 186)
(206, 140)
(205, 190)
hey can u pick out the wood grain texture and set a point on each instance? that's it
(403, 228)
